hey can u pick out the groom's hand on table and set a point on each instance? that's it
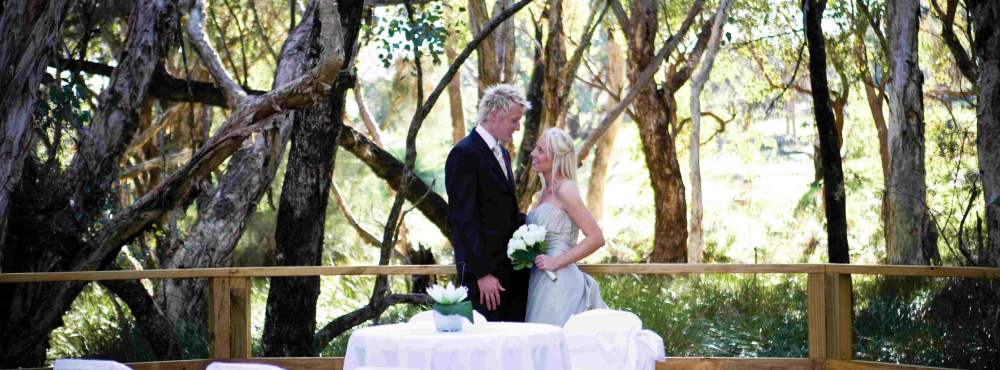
(489, 292)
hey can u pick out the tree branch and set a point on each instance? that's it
(196, 34)
(245, 120)
(375, 307)
(644, 78)
(965, 63)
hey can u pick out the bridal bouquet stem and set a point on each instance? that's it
(527, 243)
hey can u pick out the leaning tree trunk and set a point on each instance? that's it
(986, 48)
(222, 220)
(696, 239)
(602, 154)
(290, 319)
(910, 236)
(57, 238)
(29, 35)
(833, 175)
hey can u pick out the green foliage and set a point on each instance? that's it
(716, 315)
(396, 37)
(98, 326)
(940, 322)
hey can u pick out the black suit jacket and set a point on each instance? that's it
(482, 217)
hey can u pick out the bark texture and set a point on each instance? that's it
(29, 34)
(986, 48)
(833, 175)
(696, 238)
(655, 113)
(47, 237)
(223, 218)
(290, 320)
(910, 237)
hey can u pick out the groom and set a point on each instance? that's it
(482, 207)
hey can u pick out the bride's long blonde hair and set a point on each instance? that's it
(560, 147)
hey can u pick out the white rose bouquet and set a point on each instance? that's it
(527, 243)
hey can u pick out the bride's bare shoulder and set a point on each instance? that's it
(566, 190)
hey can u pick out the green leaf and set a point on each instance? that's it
(462, 308)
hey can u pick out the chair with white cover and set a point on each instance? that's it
(383, 368)
(611, 339)
(241, 366)
(428, 316)
(74, 364)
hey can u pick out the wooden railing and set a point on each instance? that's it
(828, 291)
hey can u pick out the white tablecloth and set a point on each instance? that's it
(490, 346)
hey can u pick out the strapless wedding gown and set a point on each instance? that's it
(553, 302)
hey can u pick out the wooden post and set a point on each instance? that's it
(229, 317)
(830, 316)
(839, 317)
(219, 327)
(239, 314)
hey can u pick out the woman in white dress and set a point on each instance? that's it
(561, 210)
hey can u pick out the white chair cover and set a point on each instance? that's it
(383, 368)
(73, 364)
(429, 317)
(610, 339)
(241, 366)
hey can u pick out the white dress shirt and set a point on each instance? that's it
(495, 147)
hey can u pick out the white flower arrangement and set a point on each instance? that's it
(450, 307)
(448, 294)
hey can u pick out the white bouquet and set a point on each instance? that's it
(527, 243)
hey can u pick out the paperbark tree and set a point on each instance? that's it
(29, 35)
(986, 48)
(50, 238)
(290, 319)
(911, 237)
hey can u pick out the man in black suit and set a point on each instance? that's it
(482, 207)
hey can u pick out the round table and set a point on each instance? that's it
(489, 346)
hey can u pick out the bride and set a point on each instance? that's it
(561, 210)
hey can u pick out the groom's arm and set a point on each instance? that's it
(463, 211)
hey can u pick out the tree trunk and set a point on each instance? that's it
(29, 34)
(527, 181)
(986, 48)
(909, 237)
(653, 119)
(150, 320)
(555, 60)
(222, 220)
(489, 71)
(833, 175)
(455, 101)
(602, 154)
(696, 239)
(290, 320)
(52, 239)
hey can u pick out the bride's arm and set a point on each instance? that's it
(569, 197)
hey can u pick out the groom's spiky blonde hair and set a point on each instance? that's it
(499, 98)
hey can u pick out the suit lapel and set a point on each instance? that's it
(491, 160)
